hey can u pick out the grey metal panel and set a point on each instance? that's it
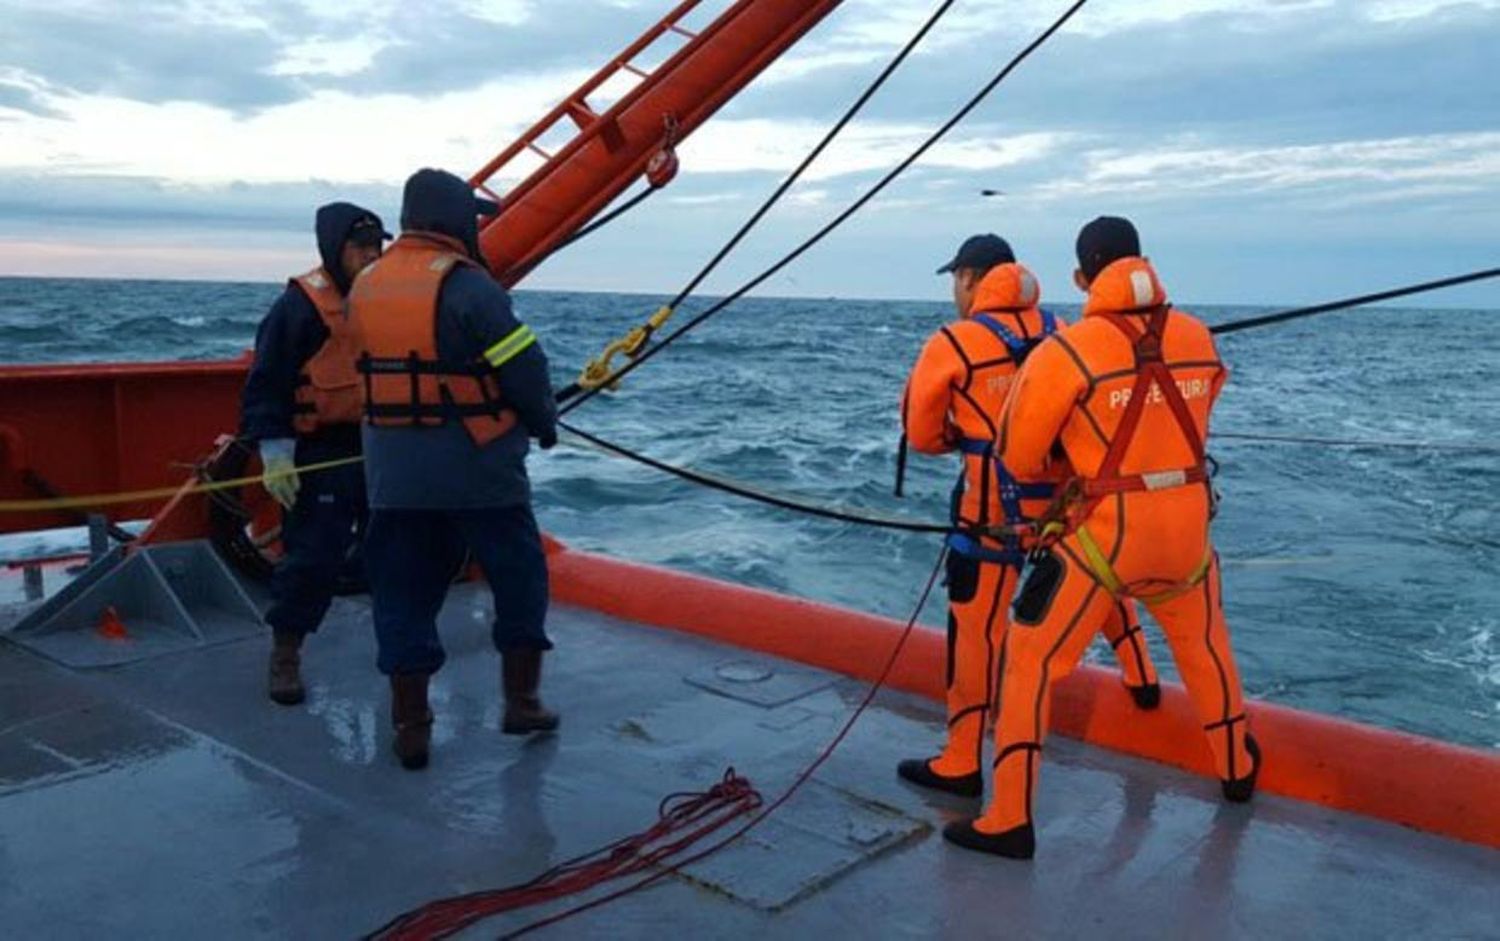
(170, 598)
(167, 798)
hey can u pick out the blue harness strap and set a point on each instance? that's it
(971, 548)
(1011, 490)
(1018, 347)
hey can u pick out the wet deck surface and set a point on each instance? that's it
(169, 798)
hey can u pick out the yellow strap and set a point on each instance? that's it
(598, 372)
(1098, 565)
(509, 348)
(161, 493)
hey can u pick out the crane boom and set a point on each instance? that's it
(634, 137)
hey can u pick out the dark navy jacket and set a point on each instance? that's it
(441, 467)
(287, 338)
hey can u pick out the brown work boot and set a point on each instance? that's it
(412, 719)
(521, 672)
(284, 682)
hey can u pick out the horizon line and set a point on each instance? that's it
(1280, 305)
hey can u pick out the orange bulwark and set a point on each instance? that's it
(1128, 393)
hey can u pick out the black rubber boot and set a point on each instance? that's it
(412, 719)
(284, 679)
(1016, 843)
(521, 679)
(919, 772)
(1240, 790)
(1146, 697)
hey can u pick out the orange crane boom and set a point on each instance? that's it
(634, 137)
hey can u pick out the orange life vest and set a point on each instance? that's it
(393, 311)
(328, 388)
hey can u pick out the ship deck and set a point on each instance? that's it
(169, 798)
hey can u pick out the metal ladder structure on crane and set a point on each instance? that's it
(607, 152)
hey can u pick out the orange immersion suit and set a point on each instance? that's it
(954, 397)
(1127, 393)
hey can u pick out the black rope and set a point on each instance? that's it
(816, 152)
(579, 396)
(748, 492)
(605, 219)
(759, 496)
(587, 230)
(1235, 326)
(1450, 446)
(796, 174)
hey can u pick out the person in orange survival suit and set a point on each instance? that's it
(953, 399)
(1127, 394)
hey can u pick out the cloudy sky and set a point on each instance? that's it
(1271, 150)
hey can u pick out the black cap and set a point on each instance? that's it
(980, 252)
(368, 230)
(1104, 241)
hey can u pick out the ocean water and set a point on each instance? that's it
(1361, 582)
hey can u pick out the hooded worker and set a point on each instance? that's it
(1126, 394)
(454, 386)
(301, 405)
(954, 397)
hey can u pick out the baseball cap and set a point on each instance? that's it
(368, 230)
(1106, 240)
(981, 252)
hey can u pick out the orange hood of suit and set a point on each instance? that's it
(959, 385)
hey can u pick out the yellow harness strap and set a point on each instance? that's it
(1104, 573)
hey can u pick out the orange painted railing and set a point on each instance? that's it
(1429, 785)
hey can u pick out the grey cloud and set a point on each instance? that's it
(437, 50)
(18, 98)
(149, 54)
(1317, 77)
(140, 203)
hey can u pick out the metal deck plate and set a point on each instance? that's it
(760, 681)
(169, 798)
(820, 835)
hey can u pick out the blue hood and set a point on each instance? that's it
(334, 221)
(437, 201)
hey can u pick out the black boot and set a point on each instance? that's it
(412, 719)
(919, 772)
(1240, 790)
(521, 676)
(1146, 697)
(1015, 843)
(284, 680)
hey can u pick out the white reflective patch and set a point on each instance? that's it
(1029, 289)
(1140, 284)
(317, 280)
(1161, 480)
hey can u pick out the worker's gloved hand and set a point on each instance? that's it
(276, 456)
